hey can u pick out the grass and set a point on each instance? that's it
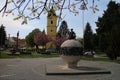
(49, 56)
(6, 55)
(95, 59)
(105, 59)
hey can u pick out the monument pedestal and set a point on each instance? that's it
(71, 61)
(70, 51)
(79, 70)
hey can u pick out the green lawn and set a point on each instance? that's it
(96, 58)
(6, 54)
(105, 59)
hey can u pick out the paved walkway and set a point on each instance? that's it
(34, 69)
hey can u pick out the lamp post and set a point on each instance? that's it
(83, 26)
(17, 40)
(83, 7)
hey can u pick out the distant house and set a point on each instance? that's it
(12, 42)
(21, 42)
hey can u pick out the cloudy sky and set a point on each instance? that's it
(75, 22)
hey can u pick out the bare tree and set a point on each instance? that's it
(33, 9)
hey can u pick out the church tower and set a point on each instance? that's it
(51, 26)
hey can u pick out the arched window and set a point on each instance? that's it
(51, 22)
(51, 30)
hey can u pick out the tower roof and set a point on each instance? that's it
(51, 12)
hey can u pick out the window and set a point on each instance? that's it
(51, 30)
(51, 22)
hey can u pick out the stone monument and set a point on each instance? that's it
(71, 50)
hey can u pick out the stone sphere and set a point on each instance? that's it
(71, 47)
(70, 52)
(71, 43)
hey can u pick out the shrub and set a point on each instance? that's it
(111, 53)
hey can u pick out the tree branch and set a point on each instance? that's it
(61, 12)
(4, 8)
(39, 7)
(26, 6)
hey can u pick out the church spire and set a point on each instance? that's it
(51, 12)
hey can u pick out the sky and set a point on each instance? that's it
(75, 22)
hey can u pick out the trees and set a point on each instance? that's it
(88, 38)
(34, 8)
(30, 38)
(2, 35)
(63, 30)
(109, 30)
(62, 35)
(36, 38)
(59, 41)
(41, 39)
(95, 41)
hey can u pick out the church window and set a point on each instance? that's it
(51, 30)
(51, 22)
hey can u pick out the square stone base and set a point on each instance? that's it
(80, 70)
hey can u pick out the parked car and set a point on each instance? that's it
(89, 54)
(1, 49)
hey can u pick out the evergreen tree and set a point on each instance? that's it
(88, 38)
(63, 30)
(2, 36)
(95, 41)
(109, 30)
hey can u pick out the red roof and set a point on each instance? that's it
(21, 42)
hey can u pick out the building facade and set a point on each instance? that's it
(51, 27)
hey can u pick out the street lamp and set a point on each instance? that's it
(83, 7)
(83, 26)
(17, 40)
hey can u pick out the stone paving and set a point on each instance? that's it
(35, 69)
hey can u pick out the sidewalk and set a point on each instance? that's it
(35, 69)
